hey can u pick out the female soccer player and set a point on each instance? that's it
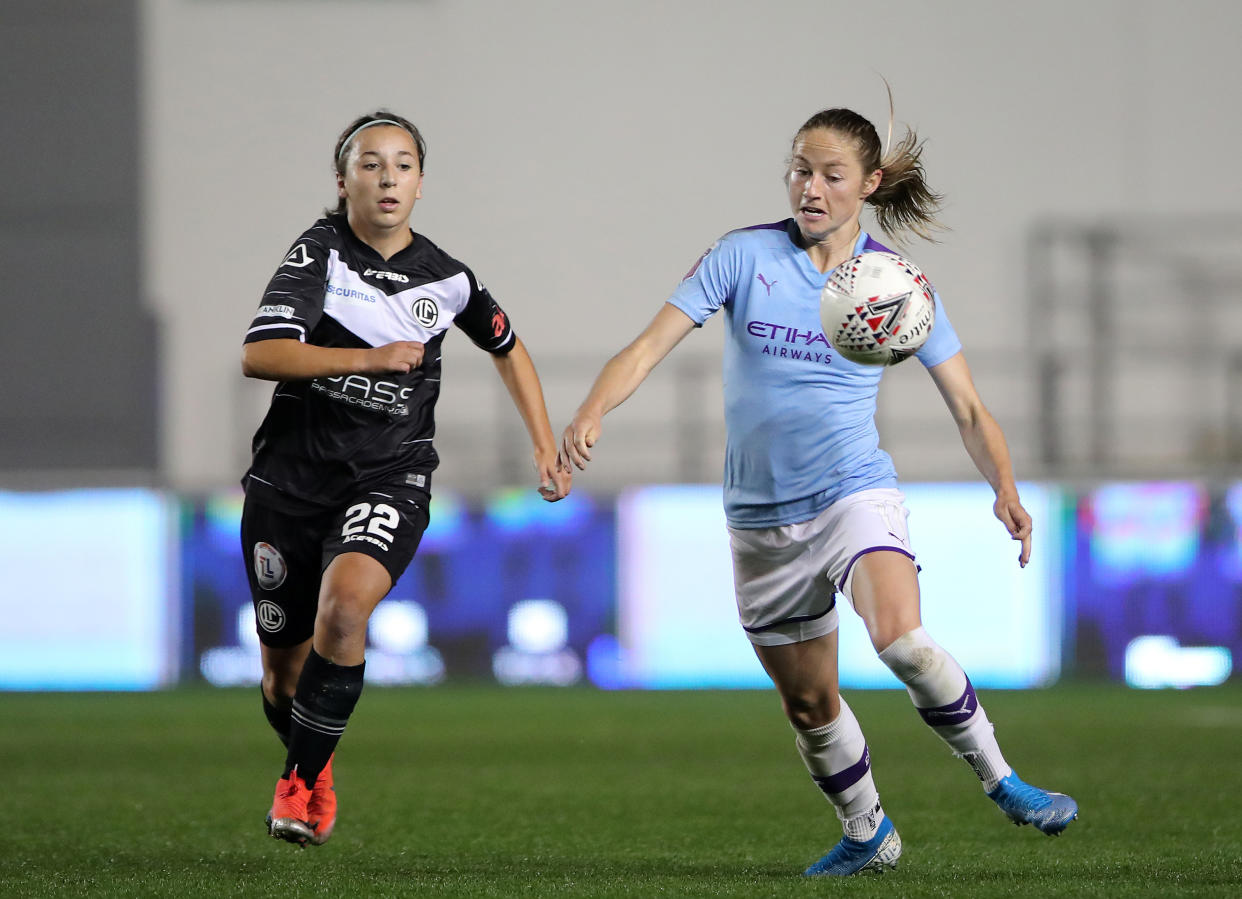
(811, 500)
(337, 495)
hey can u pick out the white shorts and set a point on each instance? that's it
(786, 577)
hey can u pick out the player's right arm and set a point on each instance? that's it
(620, 377)
(287, 359)
(276, 346)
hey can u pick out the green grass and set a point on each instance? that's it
(481, 791)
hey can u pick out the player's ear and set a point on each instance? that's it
(872, 182)
(418, 191)
(340, 185)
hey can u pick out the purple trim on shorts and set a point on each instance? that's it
(954, 713)
(845, 575)
(843, 780)
(832, 604)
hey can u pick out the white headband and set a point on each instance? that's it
(362, 127)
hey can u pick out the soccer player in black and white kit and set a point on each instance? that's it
(337, 494)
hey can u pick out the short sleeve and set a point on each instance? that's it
(293, 302)
(943, 343)
(483, 321)
(710, 283)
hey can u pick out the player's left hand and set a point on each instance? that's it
(555, 476)
(1008, 508)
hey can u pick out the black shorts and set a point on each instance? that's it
(286, 552)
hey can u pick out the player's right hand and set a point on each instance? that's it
(578, 439)
(402, 356)
(555, 477)
(1008, 508)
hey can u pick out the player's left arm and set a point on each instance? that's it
(517, 370)
(985, 442)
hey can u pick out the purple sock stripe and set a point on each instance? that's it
(958, 712)
(843, 780)
(845, 575)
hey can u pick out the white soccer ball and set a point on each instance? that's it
(877, 308)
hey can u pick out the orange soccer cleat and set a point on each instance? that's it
(321, 809)
(288, 818)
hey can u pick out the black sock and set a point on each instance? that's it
(277, 718)
(324, 700)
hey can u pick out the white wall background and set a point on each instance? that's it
(583, 153)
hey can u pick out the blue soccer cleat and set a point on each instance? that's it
(852, 857)
(1051, 813)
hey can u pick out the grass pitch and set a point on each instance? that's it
(483, 791)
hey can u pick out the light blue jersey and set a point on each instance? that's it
(800, 418)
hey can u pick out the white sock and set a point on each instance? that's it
(837, 757)
(943, 695)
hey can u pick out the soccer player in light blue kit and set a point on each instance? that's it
(811, 500)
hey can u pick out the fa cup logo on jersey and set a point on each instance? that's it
(426, 312)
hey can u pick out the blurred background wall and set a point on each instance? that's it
(165, 154)
(582, 155)
(79, 339)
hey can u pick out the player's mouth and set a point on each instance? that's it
(812, 212)
(389, 204)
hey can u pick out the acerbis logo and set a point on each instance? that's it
(389, 276)
(298, 257)
(270, 616)
(426, 312)
(269, 566)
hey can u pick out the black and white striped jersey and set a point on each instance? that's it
(324, 438)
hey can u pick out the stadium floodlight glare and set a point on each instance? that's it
(398, 626)
(1154, 662)
(538, 625)
(537, 652)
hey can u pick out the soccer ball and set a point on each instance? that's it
(877, 309)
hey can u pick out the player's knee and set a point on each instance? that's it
(343, 614)
(279, 686)
(911, 654)
(809, 709)
(887, 630)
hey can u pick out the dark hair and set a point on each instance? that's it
(903, 201)
(356, 126)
